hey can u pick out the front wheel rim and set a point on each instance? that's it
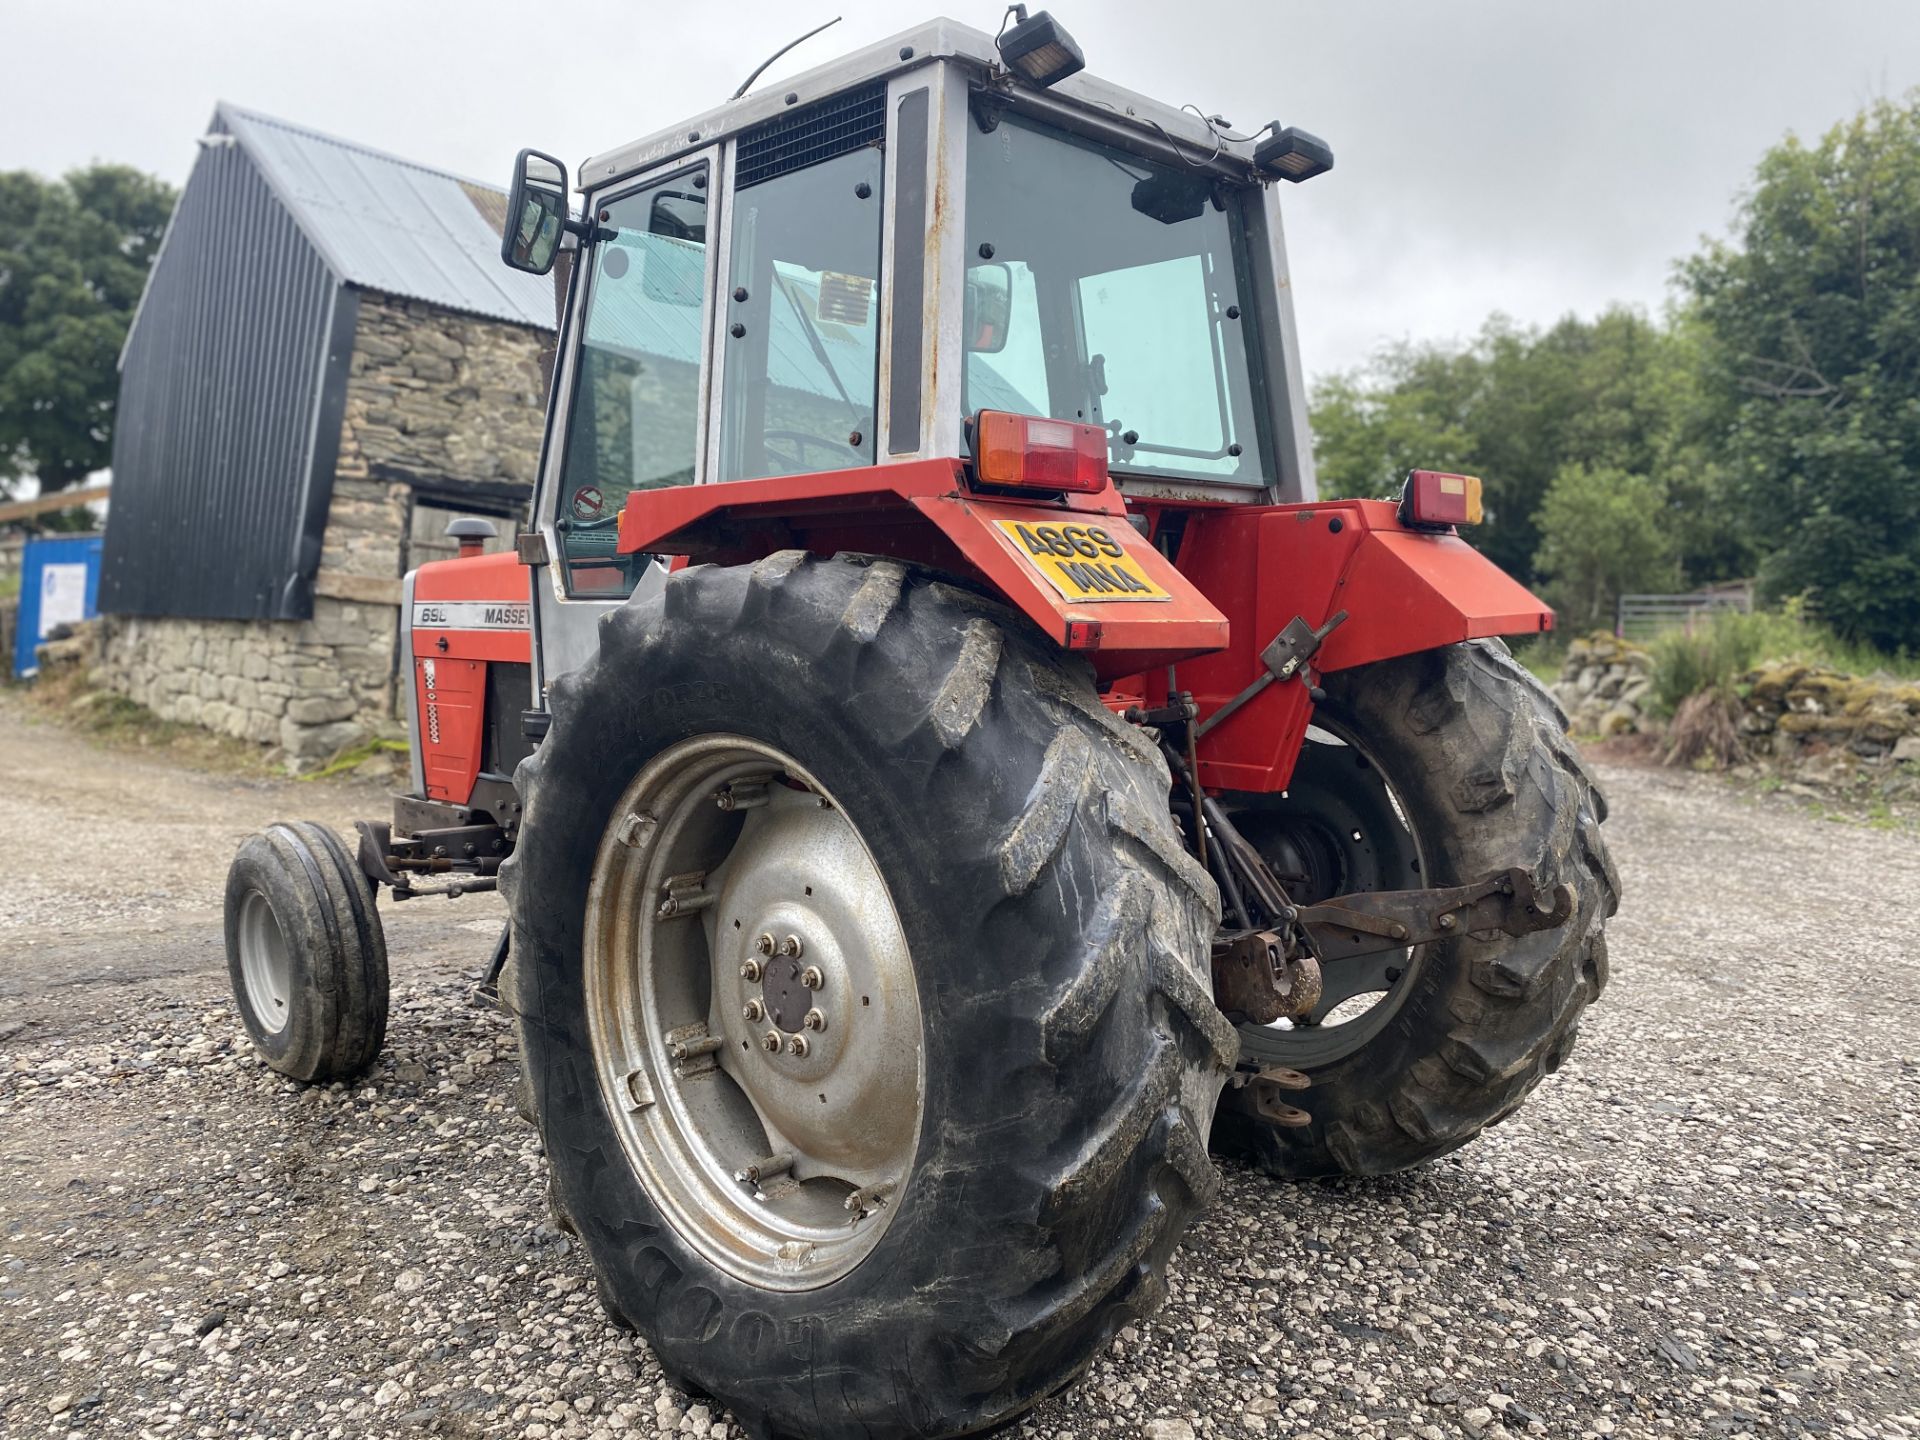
(266, 967)
(753, 1012)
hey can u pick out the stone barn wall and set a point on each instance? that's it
(434, 399)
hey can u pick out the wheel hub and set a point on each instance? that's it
(787, 999)
(743, 922)
(833, 1090)
(264, 963)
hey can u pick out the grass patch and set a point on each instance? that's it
(62, 697)
(1542, 654)
(352, 759)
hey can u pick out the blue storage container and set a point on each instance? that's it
(59, 585)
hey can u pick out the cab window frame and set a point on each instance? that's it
(553, 518)
(733, 393)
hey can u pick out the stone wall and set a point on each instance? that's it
(309, 687)
(448, 399)
(440, 395)
(1798, 711)
(1604, 686)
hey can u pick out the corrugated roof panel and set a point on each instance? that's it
(391, 225)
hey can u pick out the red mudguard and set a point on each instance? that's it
(1069, 565)
(1080, 570)
(1403, 591)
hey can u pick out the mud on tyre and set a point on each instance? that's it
(1053, 935)
(1434, 769)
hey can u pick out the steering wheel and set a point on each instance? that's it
(800, 440)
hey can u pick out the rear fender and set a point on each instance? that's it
(1403, 590)
(923, 512)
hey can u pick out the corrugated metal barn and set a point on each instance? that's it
(329, 361)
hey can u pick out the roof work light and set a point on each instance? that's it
(1039, 50)
(1434, 500)
(1294, 155)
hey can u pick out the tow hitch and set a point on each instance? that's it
(1508, 901)
(1263, 975)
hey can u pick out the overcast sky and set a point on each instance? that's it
(1535, 158)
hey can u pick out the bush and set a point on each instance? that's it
(1711, 655)
(1603, 533)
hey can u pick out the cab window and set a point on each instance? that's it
(801, 321)
(634, 423)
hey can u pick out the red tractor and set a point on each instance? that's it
(946, 767)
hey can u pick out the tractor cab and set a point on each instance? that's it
(847, 269)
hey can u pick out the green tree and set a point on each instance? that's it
(1603, 534)
(74, 255)
(1811, 324)
(1406, 410)
(1517, 407)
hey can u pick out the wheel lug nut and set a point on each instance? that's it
(812, 978)
(763, 942)
(791, 947)
(750, 970)
(770, 1042)
(815, 1020)
(754, 1011)
(797, 1045)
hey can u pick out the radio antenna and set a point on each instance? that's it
(747, 84)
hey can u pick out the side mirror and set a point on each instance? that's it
(536, 213)
(989, 308)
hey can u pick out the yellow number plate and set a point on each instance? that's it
(1082, 562)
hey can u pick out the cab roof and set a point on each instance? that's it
(939, 39)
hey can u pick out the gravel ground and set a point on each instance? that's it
(1704, 1225)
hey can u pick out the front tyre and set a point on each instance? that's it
(1431, 770)
(306, 954)
(859, 973)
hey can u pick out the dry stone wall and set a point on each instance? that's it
(1605, 686)
(309, 687)
(441, 396)
(1797, 711)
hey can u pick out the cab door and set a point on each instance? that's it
(630, 401)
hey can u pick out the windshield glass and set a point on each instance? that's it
(1107, 288)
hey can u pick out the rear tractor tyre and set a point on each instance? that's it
(1432, 770)
(860, 981)
(305, 953)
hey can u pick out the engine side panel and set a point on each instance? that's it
(470, 616)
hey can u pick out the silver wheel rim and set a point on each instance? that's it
(753, 1012)
(265, 966)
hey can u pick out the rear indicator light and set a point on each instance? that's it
(1034, 454)
(1435, 500)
